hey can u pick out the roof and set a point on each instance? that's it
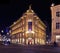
(28, 11)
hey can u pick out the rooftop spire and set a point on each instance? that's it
(29, 7)
(30, 10)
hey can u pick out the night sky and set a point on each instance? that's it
(12, 10)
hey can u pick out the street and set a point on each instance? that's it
(28, 49)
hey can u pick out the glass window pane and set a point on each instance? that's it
(30, 26)
(58, 14)
(57, 25)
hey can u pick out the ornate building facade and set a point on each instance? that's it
(55, 11)
(29, 29)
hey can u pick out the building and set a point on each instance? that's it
(55, 12)
(0, 37)
(29, 29)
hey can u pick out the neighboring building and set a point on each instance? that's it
(55, 11)
(29, 29)
(0, 37)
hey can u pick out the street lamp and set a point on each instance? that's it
(2, 31)
(7, 33)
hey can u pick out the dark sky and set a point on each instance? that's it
(11, 10)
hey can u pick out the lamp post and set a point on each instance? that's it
(7, 33)
(2, 32)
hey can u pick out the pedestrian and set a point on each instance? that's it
(55, 44)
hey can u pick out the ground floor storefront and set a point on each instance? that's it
(30, 38)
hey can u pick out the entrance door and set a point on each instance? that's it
(29, 41)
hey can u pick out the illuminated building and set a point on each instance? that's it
(55, 11)
(29, 29)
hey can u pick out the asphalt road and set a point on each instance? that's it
(28, 49)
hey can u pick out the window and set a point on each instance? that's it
(22, 28)
(57, 25)
(23, 22)
(57, 38)
(29, 26)
(58, 14)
